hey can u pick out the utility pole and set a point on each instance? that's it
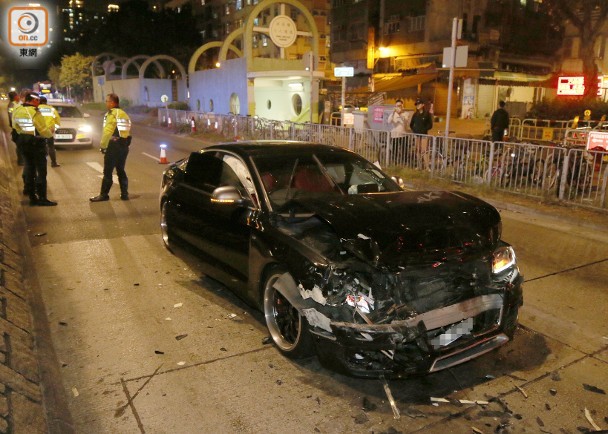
(455, 23)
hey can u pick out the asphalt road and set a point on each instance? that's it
(146, 343)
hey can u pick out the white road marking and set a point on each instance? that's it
(99, 168)
(151, 156)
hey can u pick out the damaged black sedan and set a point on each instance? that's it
(342, 261)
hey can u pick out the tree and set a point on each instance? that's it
(76, 73)
(54, 74)
(588, 17)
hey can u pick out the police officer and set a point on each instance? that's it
(51, 116)
(14, 102)
(32, 134)
(115, 141)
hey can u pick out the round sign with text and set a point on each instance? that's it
(282, 31)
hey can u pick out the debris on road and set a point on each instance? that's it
(523, 392)
(168, 319)
(180, 337)
(40, 234)
(178, 305)
(267, 340)
(459, 401)
(181, 363)
(75, 392)
(391, 400)
(591, 421)
(158, 352)
(594, 389)
(63, 323)
(553, 392)
(476, 430)
(368, 405)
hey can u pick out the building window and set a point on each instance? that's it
(392, 27)
(417, 23)
(238, 5)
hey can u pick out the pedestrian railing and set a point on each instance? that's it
(556, 170)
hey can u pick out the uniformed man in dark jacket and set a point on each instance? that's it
(32, 133)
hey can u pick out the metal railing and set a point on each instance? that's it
(572, 175)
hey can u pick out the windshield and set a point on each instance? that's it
(287, 177)
(68, 111)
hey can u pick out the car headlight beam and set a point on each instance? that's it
(85, 128)
(503, 259)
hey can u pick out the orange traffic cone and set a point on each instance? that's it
(163, 155)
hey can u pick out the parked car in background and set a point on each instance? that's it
(342, 262)
(75, 129)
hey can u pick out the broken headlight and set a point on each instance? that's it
(503, 259)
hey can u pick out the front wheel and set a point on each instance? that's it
(164, 227)
(288, 328)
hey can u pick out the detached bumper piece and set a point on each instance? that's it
(427, 342)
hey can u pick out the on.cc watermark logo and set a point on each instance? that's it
(28, 26)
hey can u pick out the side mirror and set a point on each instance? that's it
(229, 195)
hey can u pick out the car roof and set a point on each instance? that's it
(263, 147)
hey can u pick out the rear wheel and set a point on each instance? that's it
(288, 328)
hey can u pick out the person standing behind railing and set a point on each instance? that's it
(421, 123)
(398, 120)
(499, 122)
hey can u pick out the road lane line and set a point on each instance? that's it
(151, 156)
(99, 168)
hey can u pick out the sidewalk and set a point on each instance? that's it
(31, 394)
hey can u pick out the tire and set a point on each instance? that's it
(164, 227)
(288, 328)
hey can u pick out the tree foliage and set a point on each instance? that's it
(54, 74)
(76, 72)
(587, 17)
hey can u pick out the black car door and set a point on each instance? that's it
(220, 231)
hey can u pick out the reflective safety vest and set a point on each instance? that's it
(51, 117)
(116, 123)
(23, 120)
(28, 120)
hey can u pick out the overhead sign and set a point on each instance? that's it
(344, 71)
(575, 86)
(571, 86)
(597, 139)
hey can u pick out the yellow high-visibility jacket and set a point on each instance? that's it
(51, 116)
(115, 123)
(28, 120)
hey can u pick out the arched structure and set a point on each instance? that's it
(214, 44)
(147, 63)
(133, 60)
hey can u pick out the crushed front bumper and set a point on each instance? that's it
(425, 343)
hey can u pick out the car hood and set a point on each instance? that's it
(392, 228)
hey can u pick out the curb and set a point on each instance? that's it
(32, 398)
